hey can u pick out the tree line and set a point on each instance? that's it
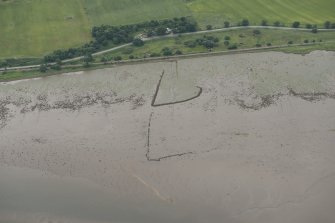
(105, 35)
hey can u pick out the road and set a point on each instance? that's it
(165, 37)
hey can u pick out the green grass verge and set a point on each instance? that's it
(242, 38)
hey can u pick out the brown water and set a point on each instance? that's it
(256, 146)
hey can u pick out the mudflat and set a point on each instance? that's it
(235, 138)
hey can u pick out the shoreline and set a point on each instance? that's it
(100, 65)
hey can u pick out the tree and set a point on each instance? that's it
(117, 58)
(276, 23)
(264, 22)
(245, 22)
(43, 68)
(103, 60)
(296, 24)
(88, 58)
(314, 29)
(161, 31)
(327, 25)
(138, 42)
(167, 51)
(209, 27)
(332, 25)
(209, 44)
(226, 24)
(309, 26)
(257, 32)
(4, 64)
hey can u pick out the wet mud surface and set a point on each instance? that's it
(238, 138)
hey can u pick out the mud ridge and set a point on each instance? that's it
(311, 96)
(174, 102)
(147, 155)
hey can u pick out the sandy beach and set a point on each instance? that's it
(244, 138)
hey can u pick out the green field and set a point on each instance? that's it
(33, 28)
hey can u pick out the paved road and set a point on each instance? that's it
(165, 37)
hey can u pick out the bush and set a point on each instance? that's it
(138, 42)
(269, 44)
(43, 68)
(308, 26)
(179, 52)
(257, 32)
(264, 23)
(296, 24)
(276, 24)
(226, 24)
(131, 57)
(290, 42)
(258, 45)
(167, 51)
(209, 27)
(314, 30)
(155, 55)
(327, 25)
(117, 58)
(190, 44)
(56, 67)
(306, 41)
(227, 38)
(232, 47)
(226, 43)
(245, 22)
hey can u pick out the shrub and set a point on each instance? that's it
(257, 32)
(131, 57)
(327, 25)
(309, 26)
(258, 45)
(190, 44)
(226, 24)
(209, 27)
(244, 22)
(290, 42)
(227, 38)
(43, 68)
(138, 42)
(306, 41)
(117, 58)
(296, 24)
(276, 23)
(269, 44)
(167, 51)
(264, 23)
(232, 47)
(155, 55)
(179, 52)
(226, 43)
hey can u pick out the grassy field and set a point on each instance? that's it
(215, 12)
(33, 28)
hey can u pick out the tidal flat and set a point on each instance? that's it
(236, 138)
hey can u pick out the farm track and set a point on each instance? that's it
(31, 67)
